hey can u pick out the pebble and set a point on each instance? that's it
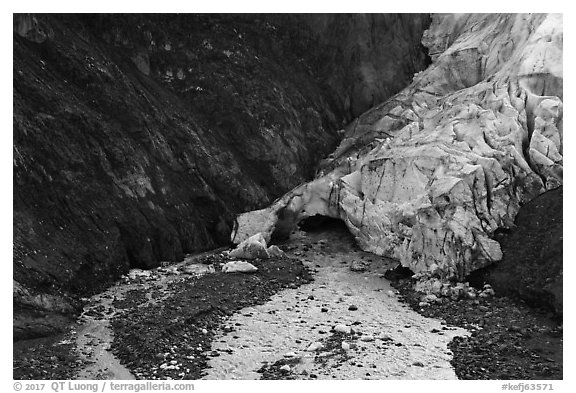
(285, 368)
(204, 331)
(352, 307)
(431, 298)
(358, 266)
(324, 309)
(367, 338)
(315, 346)
(345, 345)
(290, 355)
(340, 328)
(418, 364)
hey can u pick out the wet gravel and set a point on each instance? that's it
(46, 358)
(169, 339)
(347, 324)
(509, 340)
(181, 327)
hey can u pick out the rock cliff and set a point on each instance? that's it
(427, 176)
(138, 138)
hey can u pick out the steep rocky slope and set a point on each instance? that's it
(138, 138)
(429, 175)
(532, 255)
(369, 57)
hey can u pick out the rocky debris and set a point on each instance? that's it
(435, 289)
(428, 176)
(171, 338)
(239, 267)
(509, 340)
(390, 347)
(50, 358)
(331, 353)
(281, 369)
(430, 298)
(133, 274)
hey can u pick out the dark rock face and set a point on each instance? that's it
(137, 138)
(370, 56)
(531, 266)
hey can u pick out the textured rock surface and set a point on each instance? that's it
(251, 248)
(532, 263)
(427, 176)
(370, 56)
(239, 267)
(137, 138)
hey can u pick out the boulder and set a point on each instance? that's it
(275, 252)
(251, 248)
(197, 269)
(239, 267)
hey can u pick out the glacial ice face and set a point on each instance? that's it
(428, 176)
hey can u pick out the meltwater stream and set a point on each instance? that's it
(391, 340)
(396, 342)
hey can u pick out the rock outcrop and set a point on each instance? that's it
(532, 264)
(138, 138)
(429, 175)
(369, 57)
